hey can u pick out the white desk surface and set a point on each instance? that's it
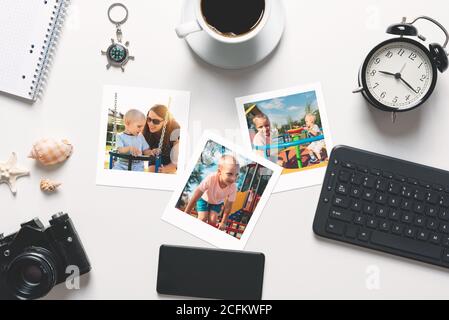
(121, 229)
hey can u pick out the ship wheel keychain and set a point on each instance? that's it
(117, 53)
(400, 74)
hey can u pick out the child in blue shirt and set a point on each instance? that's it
(132, 142)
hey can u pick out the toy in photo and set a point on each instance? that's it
(289, 128)
(223, 195)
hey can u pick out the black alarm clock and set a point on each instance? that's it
(400, 74)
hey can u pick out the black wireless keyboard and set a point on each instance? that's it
(385, 204)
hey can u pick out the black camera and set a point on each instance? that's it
(35, 259)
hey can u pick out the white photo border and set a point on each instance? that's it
(297, 180)
(202, 230)
(139, 180)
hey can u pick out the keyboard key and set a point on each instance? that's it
(363, 235)
(418, 208)
(444, 201)
(431, 212)
(397, 229)
(425, 184)
(393, 202)
(444, 228)
(351, 231)
(400, 178)
(368, 182)
(410, 232)
(359, 219)
(362, 169)
(342, 189)
(356, 206)
(444, 214)
(357, 179)
(341, 215)
(355, 192)
(368, 195)
(394, 188)
(407, 218)
(435, 238)
(368, 209)
(371, 223)
(432, 224)
(381, 212)
(380, 198)
(419, 194)
(406, 245)
(381, 185)
(394, 215)
(432, 197)
(420, 221)
(446, 256)
(437, 187)
(406, 204)
(388, 175)
(406, 192)
(385, 226)
(446, 241)
(423, 235)
(344, 176)
(376, 172)
(341, 202)
(348, 165)
(413, 181)
(335, 227)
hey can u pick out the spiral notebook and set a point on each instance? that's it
(29, 30)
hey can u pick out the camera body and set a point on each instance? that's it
(34, 259)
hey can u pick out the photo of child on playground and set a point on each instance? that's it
(288, 131)
(142, 138)
(224, 189)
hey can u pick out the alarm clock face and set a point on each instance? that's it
(117, 53)
(398, 75)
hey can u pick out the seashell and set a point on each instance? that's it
(50, 151)
(49, 186)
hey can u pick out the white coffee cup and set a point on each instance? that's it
(200, 24)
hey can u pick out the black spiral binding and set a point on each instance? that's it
(51, 39)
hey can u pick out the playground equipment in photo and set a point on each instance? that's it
(114, 155)
(288, 143)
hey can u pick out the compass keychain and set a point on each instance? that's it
(117, 53)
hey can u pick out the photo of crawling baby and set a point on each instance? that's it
(224, 189)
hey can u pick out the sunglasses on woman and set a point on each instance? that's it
(154, 121)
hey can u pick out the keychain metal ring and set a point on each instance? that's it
(121, 5)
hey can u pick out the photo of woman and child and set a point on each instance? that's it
(288, 131)
(143, 143)
(224, 189)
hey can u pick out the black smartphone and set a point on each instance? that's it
(210, 273)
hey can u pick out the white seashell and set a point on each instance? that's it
(50, 151)
(49, 186)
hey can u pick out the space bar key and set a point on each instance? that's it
(406, 245)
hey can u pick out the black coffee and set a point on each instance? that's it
(233, 18)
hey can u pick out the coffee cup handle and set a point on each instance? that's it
(185, 29)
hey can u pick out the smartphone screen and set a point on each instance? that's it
(209, 273)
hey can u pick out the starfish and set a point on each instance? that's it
(9, 172)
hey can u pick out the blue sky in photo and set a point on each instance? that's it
(279, 109)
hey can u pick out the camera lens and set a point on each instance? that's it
(32, 274)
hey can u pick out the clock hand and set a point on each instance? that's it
(402, 70)
(408, 85)
(388, 73)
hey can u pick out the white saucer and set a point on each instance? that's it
(236, 56)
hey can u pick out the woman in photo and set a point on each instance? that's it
(160, 125)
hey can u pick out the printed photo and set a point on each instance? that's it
(289, 128)
(223, 194)
(142, 138)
